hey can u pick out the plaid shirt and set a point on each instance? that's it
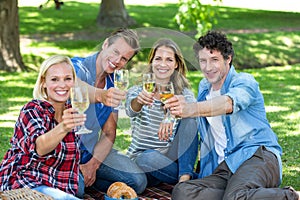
(23, 167)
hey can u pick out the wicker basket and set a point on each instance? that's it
(24, 194)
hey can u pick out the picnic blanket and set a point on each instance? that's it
(160, 192)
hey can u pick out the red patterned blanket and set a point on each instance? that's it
(160, 192)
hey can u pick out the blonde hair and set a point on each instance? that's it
(179, 75)
(129, 35)
(39, 92)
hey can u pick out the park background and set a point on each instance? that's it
(266, 37)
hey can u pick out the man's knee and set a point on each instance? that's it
(179, 191)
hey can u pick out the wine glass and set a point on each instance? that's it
(80, 100)
(149, 83)
(166, 91)
(121, 81)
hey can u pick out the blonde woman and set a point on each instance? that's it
(44, 153)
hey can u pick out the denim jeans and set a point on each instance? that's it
(81, 186)
(179, 159)
(55, 193)
(119, 167)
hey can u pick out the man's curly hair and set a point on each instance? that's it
(215, 40)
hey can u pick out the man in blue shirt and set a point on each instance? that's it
(101, 165)
(240, 157)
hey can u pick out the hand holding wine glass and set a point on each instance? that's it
(80, 101)
(121, 81)
(166, 91)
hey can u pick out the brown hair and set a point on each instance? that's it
(179, 75)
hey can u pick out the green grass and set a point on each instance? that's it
(261, 38)
(239, 18)
(76, 15)
(280, 86)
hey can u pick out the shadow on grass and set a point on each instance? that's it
(74, 28)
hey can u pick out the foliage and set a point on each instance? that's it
(193, 13)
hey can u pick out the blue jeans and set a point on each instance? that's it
(178, 160)
(55, 193)
(81, 186)
(119, 167)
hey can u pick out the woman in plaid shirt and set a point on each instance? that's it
(44, 153)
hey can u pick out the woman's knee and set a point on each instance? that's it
(147, 157)
(188, 125)
(189, 122)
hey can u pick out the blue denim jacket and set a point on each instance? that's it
(247, 127)
(97, 113)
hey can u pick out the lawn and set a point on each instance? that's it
(279, 86)
(262, 38)
(266, 42)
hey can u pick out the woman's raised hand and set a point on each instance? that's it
(145, 98)
(71, 119)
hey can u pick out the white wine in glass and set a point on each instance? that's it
(149, 82)
(166, 91)
(80, 100)
(121, 81)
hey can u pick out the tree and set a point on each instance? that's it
(10, 56)
(113, 14)
(192, 14)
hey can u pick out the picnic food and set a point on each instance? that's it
(121, 190)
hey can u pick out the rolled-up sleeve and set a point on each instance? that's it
(188, 95)
(243, 92)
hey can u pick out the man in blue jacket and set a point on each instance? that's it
(101, 165)
(240, 157)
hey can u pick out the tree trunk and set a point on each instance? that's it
(10, 56)
(112, 13)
